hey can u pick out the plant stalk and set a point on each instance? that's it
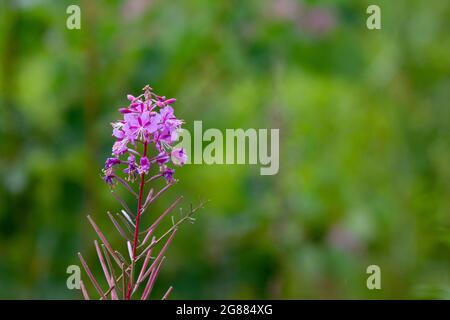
(136, 231)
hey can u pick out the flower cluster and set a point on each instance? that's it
(145, 137)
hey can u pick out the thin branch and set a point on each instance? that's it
(125, 214)
(135, 152)
(124, 282)
(118, 227)
(122, 202)
(137, 219)
(108, 291)
(175, 226)
(126, 185)
(105, 242)
(125, 268)
(148, 198)
(108, 262)
(154, 177)
(91, 276)
(151, 280)
(160, 254)
(166, 295)
(121, 258)
(130, 283)
(130, 250)
(149, 202)
(144, 266)
(105, 271)
(84, 291)
(155, 224)
(126, 223)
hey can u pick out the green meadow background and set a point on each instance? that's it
(364, 123)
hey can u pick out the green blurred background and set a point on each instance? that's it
(364, 142)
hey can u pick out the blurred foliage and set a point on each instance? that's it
(364, 161)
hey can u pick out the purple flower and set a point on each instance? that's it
(162, 101)
(144, 139)
(118, 133)
(120, 147)
(137, 106)
(167, 173)
(162, 158)
(109, 176)
(179, 156)
(165, 136)
(125, 110)
(118, 129)
(132, 166)
(144, 165)
(170, 101)
(168, 119)
(140, 126)
(150, 120)
(111, 162)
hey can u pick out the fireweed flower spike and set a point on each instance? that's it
(142, 153)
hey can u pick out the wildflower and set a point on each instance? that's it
(120, 147)
(125, 110)
(168, 117)
(118, 132)
(167, 173)
(146, 124)
(140, 126)
(144, 165)
(162, 158)
(132, 166)
(162, 101)
(108, 176)
(148, 119)
(111, 162)
(179, 156)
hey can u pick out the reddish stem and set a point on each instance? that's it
(138, 215)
